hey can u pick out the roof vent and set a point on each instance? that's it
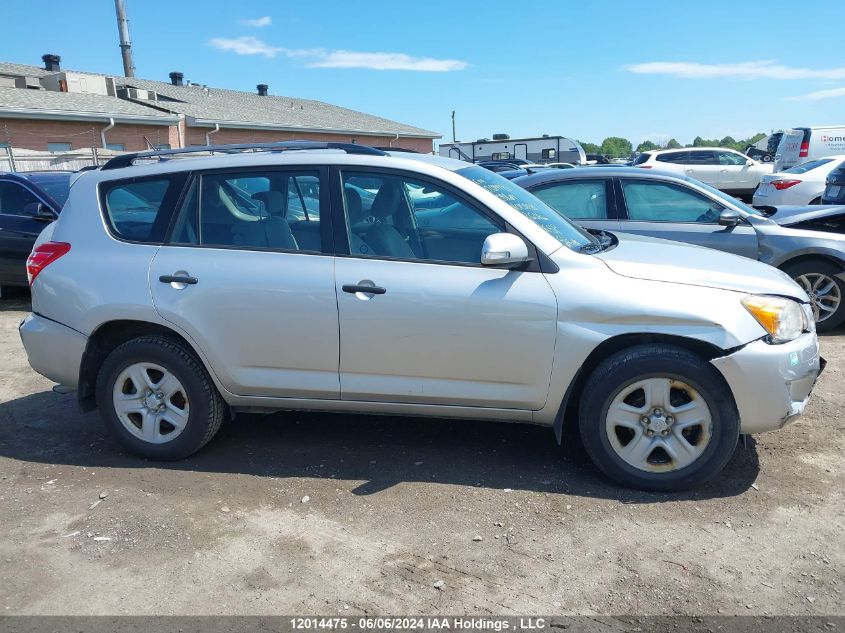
(176, 78)
(51, 62)
(501, 137)
(262, 89)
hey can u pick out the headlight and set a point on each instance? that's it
(782, 318)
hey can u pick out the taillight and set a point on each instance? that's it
(780, 185)
(42, 256)
(805, 150)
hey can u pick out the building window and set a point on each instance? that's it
(58, 147)
(118, 147)
(4, 146)
(500, 155)
(548, 154)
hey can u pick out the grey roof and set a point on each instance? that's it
(76, 105)
(234, 108)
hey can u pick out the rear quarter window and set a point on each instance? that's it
(140, 209)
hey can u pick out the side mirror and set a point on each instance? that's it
(729, 218)
(503, 249)
(39, 211)
(749, 162)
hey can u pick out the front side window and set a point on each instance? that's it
(530, 206)
(14, 198)
(729, 158)
(406, 218)
(656, 201)
(579, 199)
(277, 210)
(139, 209)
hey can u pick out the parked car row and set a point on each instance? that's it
(800, 185)
(358, 281)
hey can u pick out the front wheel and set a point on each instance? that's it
(819, 280)
(157, 398)
(658, 417)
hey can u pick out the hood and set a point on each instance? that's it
(663, 260)
(787, 215)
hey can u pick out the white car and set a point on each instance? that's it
(800, 185)
(801, 144)
(724, 169)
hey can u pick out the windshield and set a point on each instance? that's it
(722, 195)
(803, 168)
(531, 207)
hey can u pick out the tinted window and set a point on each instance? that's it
(530, 206)
(274, 210)
(580, 199)
(674, 157)
(639, 160)
(702, 157)
(729, 158)
(656, 201)
(393, 216)
(139, 210)
(14, 197)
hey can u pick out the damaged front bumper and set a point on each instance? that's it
(771, 384)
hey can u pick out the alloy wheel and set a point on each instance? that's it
(824, 292)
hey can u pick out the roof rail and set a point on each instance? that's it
(126, 160)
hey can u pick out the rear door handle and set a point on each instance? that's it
(178, 279)
(355, 288)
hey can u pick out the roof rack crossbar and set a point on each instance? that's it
(126, 160)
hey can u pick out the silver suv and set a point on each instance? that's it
(334, 277)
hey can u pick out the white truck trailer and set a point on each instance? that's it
(535, 149)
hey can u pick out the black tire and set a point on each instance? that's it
(207, 408)
(648, 361)
(819, 266)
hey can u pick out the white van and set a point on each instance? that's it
(801, 144)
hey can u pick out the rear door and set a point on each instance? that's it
(789, 149)
(589, 202)
(18, 230)
(703, 165)
(673, 211)
(248, 274)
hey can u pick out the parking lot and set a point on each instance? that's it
(304, 513)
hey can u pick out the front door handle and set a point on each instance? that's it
(356, 288)
(178, 279)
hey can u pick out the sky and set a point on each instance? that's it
(587, 70)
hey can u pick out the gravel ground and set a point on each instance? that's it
(296, 513)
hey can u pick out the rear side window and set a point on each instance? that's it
(139, 210)
(677, 158)
(579, 199)
(639, 160)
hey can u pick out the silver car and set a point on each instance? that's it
(172, 293)
(808, 245)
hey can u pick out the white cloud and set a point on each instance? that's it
(833, 93)
(741, 70)
(246, 45)
(385, 61)
(258, 23)
(322, 58)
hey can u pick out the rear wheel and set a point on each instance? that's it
(157, 398)
(656, 417)
(826, 290)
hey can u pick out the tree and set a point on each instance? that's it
(590, 148)
(647, 146)
(616, 146)
(698, 142)
(672, 144)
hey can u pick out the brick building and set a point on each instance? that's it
(47, 108)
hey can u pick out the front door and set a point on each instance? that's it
(245, 275)
(675, 212)
(421, 321)
(704, 166)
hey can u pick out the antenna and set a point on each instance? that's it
(125, 44)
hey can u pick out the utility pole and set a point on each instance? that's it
(125, 44)
(454, 139)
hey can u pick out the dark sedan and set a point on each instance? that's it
(675, 207)
(28, 202)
